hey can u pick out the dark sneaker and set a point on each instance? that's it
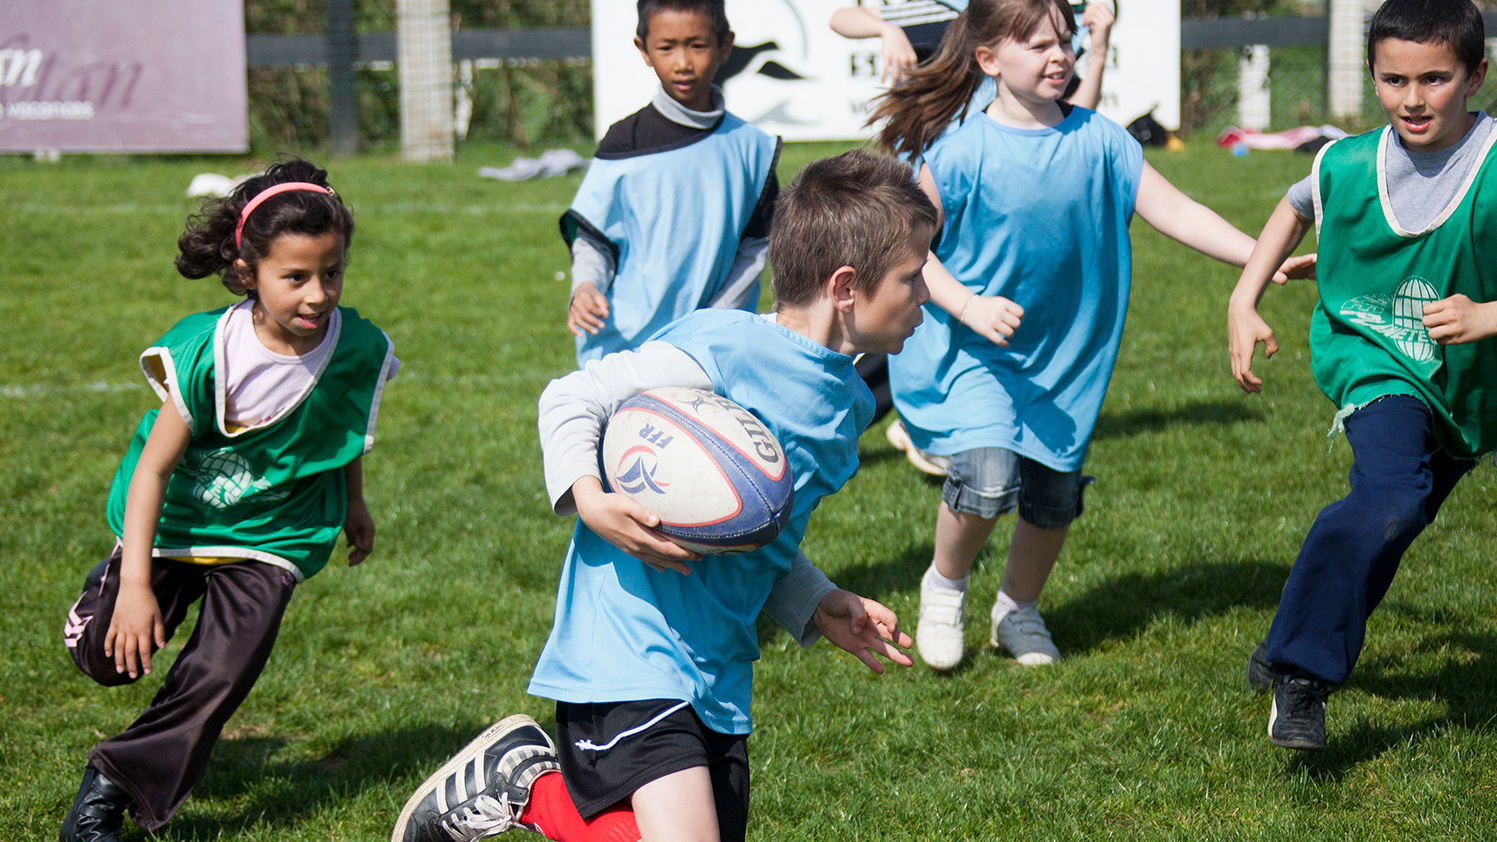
(1297, 717)
(1260, 676)
(98, 810)
(483, 789)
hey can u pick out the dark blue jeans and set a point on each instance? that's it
(1399, 478)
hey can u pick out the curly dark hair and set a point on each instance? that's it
(207, 246)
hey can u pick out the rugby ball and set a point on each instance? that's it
(713, 472)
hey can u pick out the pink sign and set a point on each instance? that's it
(123, 76)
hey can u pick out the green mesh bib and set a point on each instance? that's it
(1367, 337)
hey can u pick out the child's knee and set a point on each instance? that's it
(982, 482)
(88, 655)
(1395, 512)
(1051, 499)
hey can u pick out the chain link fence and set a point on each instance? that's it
(527, 103)
(1212, 93)
(536, 103)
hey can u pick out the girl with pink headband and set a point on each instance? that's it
(234, 491)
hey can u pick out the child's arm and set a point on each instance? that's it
(592, 272)
(863, 627)
(1458, 320)
(807, 604)
(358, 526)
(629, 526)
(865, 22)
(1190, 223)
(993, 317)
(1245, 328)
(1100, 18)
(573, 411)
(136, 623)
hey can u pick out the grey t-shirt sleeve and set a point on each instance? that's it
(574, 408)
(1301, 197)
(795, 598)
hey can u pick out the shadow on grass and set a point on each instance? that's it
(1117, 425)
(1124, 605)
(1467, 686)
(283, 794)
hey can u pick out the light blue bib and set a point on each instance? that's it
(674, 218)
(1039, 217)
(624, 631)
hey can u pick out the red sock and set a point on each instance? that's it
(552, 812)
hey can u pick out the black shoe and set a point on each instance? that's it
(1297, 717)
(1260, 676)
(482, 791)
(98, 810)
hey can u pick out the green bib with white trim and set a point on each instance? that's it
(274, 493)
(1367, 336)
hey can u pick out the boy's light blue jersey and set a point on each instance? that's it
(1039, 217)
(625, 631)
(674, 218)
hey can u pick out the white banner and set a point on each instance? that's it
(123, 76)
(792, 76)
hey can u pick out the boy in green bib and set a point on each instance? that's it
(1401, 340)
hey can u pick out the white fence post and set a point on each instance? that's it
(1252, 88)
(1346, 57)
(424, 58)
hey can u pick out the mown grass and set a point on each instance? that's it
(1143, 731)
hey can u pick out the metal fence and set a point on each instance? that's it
(1216, 55)
(534, 86)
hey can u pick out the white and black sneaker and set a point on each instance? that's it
(482, 790)
(1297, 717)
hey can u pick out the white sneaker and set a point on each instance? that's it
(938, 635)
(898, 436)
(1024, 635)
(927, 463)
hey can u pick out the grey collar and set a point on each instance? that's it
(680, 114)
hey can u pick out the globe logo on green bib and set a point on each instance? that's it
(224, 478)
(1408, 319)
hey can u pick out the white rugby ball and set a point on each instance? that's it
(712, 471)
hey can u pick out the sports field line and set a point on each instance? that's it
(32, 390)
(498, 208)
(469, 381)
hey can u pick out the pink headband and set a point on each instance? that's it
(273, 190)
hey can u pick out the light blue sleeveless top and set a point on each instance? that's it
(1039, 217)
(624, 631)
(674, 218)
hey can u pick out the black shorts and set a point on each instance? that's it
(633, 743)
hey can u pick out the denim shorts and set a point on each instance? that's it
(990, 481)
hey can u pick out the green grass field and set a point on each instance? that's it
(1143, 731)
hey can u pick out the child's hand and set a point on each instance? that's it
(993, 317)
(1297, 268)
(587, 310)
(1458, 320)
(135, 626)
(1245, 329)
(629, 526)
(899, 56)
(358, 527)
(1100, 17)
(862, 627)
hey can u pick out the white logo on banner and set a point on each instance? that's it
(19, 67)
